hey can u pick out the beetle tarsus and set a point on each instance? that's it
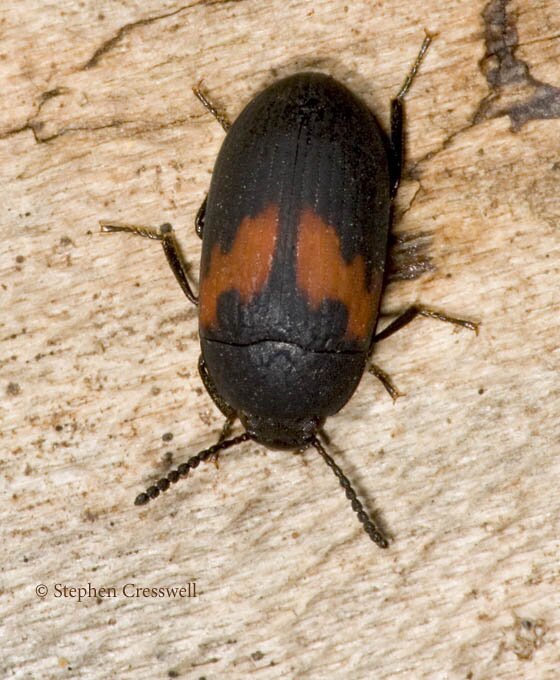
(414, 70)
(221, 117)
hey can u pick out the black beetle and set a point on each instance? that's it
(294, 244)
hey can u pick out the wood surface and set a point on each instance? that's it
(99, 350)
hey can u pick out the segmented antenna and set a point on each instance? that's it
(373, 531)
(183, 470)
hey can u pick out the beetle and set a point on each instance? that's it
(294, 234)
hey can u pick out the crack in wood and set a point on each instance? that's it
(513, 90)
(35, 128)
(109, 44)
(123, 31)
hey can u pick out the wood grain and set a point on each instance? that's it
(99, 350)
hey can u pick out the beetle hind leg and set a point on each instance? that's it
(170, 247)
(220, 116)
(199, 219)
(397, 119)
(224, 121)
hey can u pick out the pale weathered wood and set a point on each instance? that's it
(99, 350)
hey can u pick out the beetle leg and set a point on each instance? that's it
(221, 117)
(223, 120)
(208, 383)
(397, 120)
(386, 381)
(227, 427)
(170, 248)
(199, 219)
(224, 434)
(419, 310)
(224, 407)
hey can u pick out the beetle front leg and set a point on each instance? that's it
(170, 247)
(224, 407)
(386, 381)
(208, 383)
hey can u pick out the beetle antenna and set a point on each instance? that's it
(183, 470)
(373, 531)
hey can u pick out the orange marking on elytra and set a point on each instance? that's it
(322, 273)
(244, 268)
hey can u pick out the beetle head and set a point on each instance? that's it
(280, 433)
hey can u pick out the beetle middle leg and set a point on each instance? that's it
(397, 119)
(170, 248)
(400, 322)
(420, 310)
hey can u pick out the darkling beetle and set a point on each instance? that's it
(294, 244)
